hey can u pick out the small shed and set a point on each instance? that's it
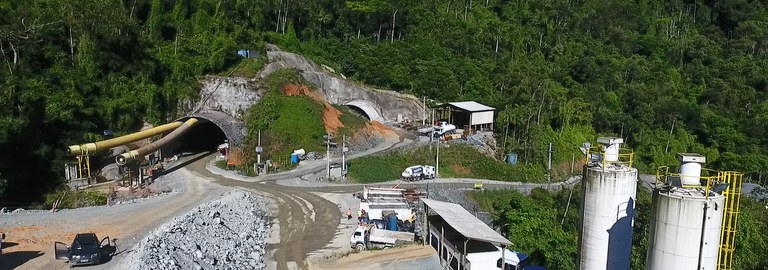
(469, 115)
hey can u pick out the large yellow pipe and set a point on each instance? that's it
(124, 158)
(90, 148)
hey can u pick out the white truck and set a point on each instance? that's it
(443, 128)
(439, 129)
(513, 260)
(368, 237)
(418, 172)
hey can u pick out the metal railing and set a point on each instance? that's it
(730, 219)
(596, 154)
(709, 178)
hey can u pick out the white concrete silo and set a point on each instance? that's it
(609, 189)
(687, 220)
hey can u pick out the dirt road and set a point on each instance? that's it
(306, 221)
(30, 236)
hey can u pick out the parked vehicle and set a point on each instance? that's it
(439, 129)
(443, 128)
(418, 172)
(86, 249)
(369, 236)
(513, 260)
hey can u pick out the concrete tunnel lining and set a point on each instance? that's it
(369, 108)
(233, 129)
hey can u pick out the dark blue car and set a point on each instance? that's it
(86, 249)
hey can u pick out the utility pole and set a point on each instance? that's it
(549, 164)
(433, 117)
(424, 111)
(344, 156)
(573, 162)
(437, 159)
(328, 156)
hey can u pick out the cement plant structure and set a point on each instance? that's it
(609, 188)
(694, 217)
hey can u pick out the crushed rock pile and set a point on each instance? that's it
(228, 233)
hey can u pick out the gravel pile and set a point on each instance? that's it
(228, 233)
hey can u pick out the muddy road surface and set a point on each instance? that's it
(306, 221)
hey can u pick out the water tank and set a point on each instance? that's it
(608, 211)
(685, 231)
(294, 158)
(690, 168)
(611, 147)
(392, 219)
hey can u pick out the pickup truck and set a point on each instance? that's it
(368, 237)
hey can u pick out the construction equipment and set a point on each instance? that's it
(124, 158)
(84, 151)
(368, 236)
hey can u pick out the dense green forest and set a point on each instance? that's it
(669, 76)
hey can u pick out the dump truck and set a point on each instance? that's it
(368, 236)
(418, 172)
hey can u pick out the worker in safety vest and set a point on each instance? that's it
(360, 217)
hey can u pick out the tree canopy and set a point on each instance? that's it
(669, 76)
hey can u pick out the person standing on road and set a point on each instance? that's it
(360, 217)
(349, 213)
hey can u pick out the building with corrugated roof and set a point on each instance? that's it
(468, 115)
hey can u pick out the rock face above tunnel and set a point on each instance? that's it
(388, 105)
(232, 96)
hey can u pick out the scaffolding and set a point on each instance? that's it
(84, 166)
(732, 195)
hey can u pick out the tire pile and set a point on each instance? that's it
(228, 233)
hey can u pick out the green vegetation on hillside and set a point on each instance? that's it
(71, 69)
(288, 123)
(456, 160)
(669, 76)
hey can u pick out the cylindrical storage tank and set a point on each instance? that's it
(607, 216)
(685, 232)
(612, 152)
(392, 222)
(294, 158)
(690, 174)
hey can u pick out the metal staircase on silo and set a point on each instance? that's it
(732, 194)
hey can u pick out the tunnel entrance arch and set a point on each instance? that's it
(234, 130)
(367, 108)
